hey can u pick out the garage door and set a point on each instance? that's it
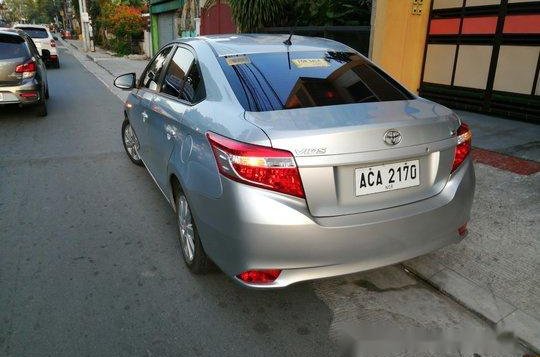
(167, 31)
(484, 55)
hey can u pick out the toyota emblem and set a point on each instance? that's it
(392, 137)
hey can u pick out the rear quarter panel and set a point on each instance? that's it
(192, 160)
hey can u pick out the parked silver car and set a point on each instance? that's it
(289, 162)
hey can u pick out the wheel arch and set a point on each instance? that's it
(175, 186)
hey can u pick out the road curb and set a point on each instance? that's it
(505, 162)
(502, 315)
(93, 59)
(106, 77)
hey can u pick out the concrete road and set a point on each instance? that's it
(90, 263)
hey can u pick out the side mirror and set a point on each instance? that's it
(46, 55)
(125, 81)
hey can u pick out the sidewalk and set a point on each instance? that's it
(510, 137)
(495, 270)
(112, 64)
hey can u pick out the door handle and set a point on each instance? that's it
(144, 117)
(171, 132)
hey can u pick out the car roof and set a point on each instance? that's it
(30, 25)
(236, 44)
(12, 32)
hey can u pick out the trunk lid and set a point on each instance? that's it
(8, 76)
(331, 143)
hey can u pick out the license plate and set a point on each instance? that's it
(387, 177)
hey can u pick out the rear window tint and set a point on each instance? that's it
(12, 47)
(274, 81)
(35, 32)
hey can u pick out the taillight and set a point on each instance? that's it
(53, 43)
(29, 95)
(463, 148)
(266, 276)
(27, 69)
(257, 165)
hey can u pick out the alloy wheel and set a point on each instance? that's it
(131, 142)
(185, 224)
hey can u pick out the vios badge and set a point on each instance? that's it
(392, 137)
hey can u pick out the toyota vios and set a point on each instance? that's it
(289, 161)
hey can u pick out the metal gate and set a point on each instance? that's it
(484, 55)
(166, 27)
(217, 18)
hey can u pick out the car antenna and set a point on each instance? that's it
(288, 41)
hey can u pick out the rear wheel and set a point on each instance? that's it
(131, 143)
(192, 250)
(41, 107)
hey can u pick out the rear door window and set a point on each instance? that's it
(35, 32)
(12, 46)
(174, 79)
(276, 81)
(183, 79)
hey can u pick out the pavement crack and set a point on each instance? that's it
(368, 285)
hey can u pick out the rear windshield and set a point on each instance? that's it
(274, 81)
(35, 32)
(12, 47)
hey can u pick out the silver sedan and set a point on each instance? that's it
(290, 161)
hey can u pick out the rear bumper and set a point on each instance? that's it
(12, 94)
(52, 50)
(250, 228)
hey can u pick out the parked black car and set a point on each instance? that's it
(23, 75)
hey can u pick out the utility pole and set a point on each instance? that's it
(84, 24)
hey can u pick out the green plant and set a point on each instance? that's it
(121, 46)
(252, 15)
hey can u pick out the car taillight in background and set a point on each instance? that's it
(53, 43)
(257, 165)
(463, 148)
(27, 69)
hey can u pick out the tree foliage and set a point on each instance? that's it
(126, 21)
(117, 23)
(33, 11)
(252, 15)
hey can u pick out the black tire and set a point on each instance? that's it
(135, 160)
(41, 109)
(57, 64)
(200, 263)
(47, 93)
